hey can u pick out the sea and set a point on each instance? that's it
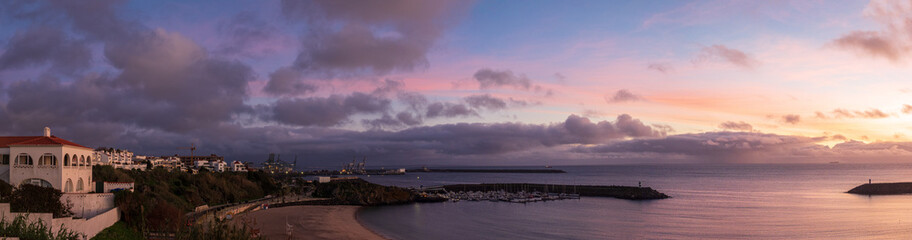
(724, 201)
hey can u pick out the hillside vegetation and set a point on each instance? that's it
(161, 197)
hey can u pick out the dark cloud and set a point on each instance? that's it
(246, 34)
(329, 111)
(623, 95)
(870, 43)
(791, 118)
(159, 85)
(169, 74)
(890, 42)
(344, 36)
(497, 138)
(488, 78)
(165, 82)
(388, 86)
(408, 118)
(286, 81)
(714, 147)
(722, 53)
(660, 67)
(415, 101)
(588, 132)
(486, 101)
(736, 126)
(45, 45)
(445, 109)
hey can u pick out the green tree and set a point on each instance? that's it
(38, 199)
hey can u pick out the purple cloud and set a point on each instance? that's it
(722, 53)
(623, 95)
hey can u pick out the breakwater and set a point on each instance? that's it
(622, 192)
(488, 170)
(883, 188)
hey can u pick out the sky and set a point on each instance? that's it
(409, 83)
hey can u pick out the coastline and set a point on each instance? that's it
(310, 222)
(358, 219)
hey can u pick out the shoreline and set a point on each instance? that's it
(358, 219)
(310, 222)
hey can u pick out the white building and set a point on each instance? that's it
(170, 163)
(218, 166)
(46, 161)
(200, 164)
(238, 166)
(114, 157)
(51, 161)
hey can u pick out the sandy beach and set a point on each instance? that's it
(310, 222)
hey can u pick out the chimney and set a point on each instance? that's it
(47, 131)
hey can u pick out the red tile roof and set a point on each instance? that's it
(35, 141)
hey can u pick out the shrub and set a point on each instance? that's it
(161, 197)
(23, 229)
(38, 199)
(5, 191)
(218, 229)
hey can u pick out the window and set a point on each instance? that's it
(89, 161)
(37, 182)
(69, 186)
(48, 159)
(82, 161)
(66, 160)
(79, 185)
(4, 159)
(24, 159)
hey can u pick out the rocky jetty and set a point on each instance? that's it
(883, 188)
(461, 170)
(622, 192)
(363, 193)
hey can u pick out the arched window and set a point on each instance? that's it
(66, 160)
(89, 161)
(24, 159)
(82, 160)
(37, 182)
(47, 159)
(69, 186)
(79, 185)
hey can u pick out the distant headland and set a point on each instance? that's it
(469, 170)
(883, 188)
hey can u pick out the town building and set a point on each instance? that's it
(46, 160)
(218, 166)
(50, 161)
(200, 164)
(238, 166)
(170, 163)
(117, 158)
(190, 160)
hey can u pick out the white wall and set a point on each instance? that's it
(87, 205)
(89, 227)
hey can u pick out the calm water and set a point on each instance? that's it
(709, 201)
